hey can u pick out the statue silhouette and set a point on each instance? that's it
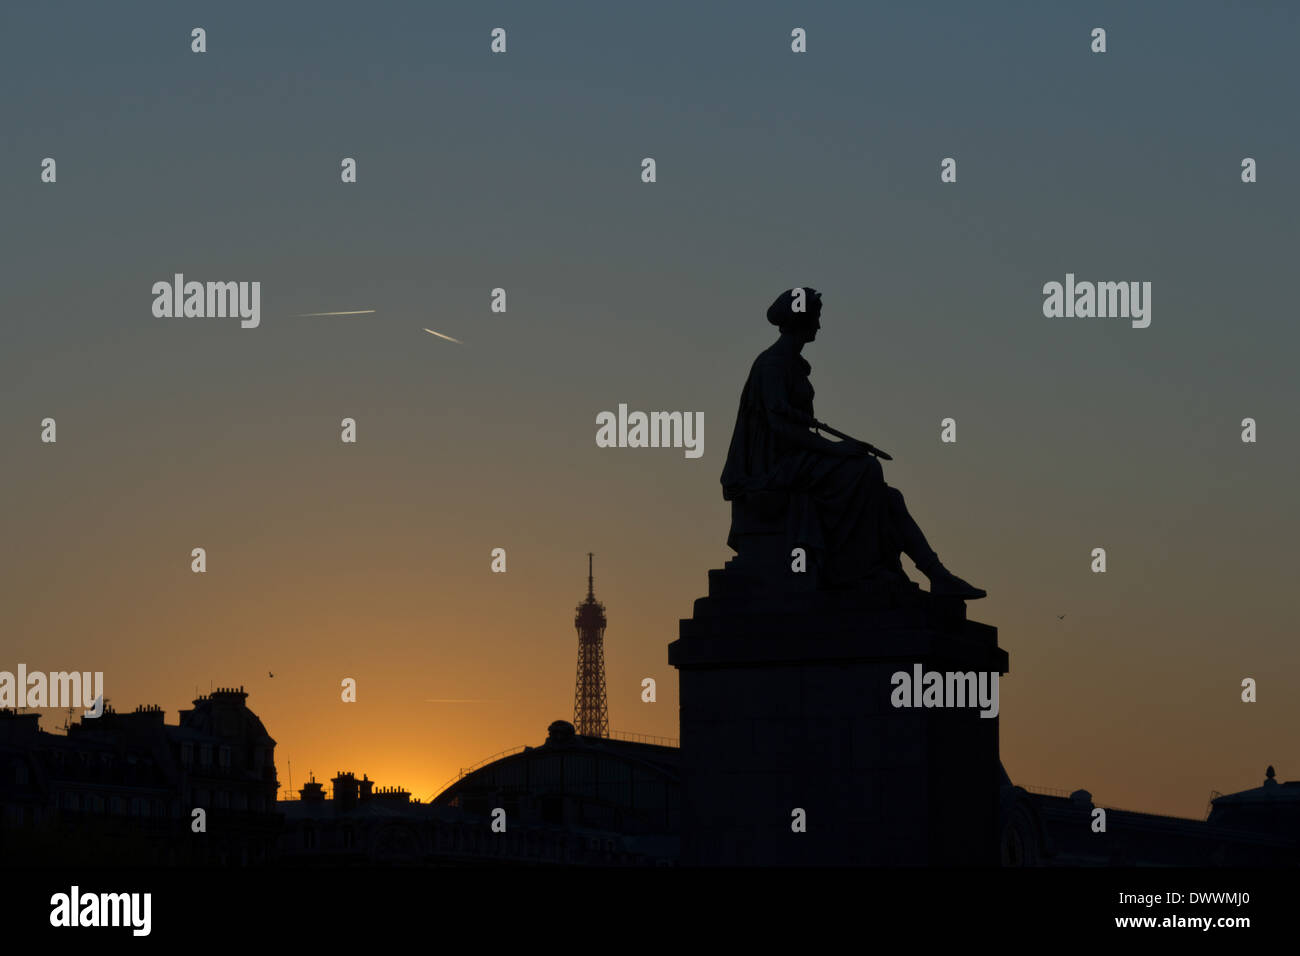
(786, 482)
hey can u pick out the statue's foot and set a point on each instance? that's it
(946, 584)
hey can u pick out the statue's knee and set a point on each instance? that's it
(895, 497)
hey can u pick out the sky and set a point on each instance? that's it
(522, 171)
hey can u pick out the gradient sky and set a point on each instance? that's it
(371, 560)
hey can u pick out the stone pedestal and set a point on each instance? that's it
(786, 703)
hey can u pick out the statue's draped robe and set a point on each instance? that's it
(837, 505)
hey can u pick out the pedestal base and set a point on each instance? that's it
(786, 705)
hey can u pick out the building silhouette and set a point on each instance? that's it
(1258, 827)
(122, 787)
(572, 800)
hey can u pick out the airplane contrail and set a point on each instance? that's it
(447, 337)
(304, 315)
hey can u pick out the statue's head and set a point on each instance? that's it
(797, 312)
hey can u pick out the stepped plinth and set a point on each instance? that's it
(787, 703)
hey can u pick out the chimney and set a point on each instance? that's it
(345, 791)
(312, 792)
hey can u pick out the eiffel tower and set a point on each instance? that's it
(590, 709)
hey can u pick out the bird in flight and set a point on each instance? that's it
(1060, 617)
(269, 674)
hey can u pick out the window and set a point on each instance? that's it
(205, 755)
(187, 754)
(224, 753)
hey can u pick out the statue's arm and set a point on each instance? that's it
(790, 423)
